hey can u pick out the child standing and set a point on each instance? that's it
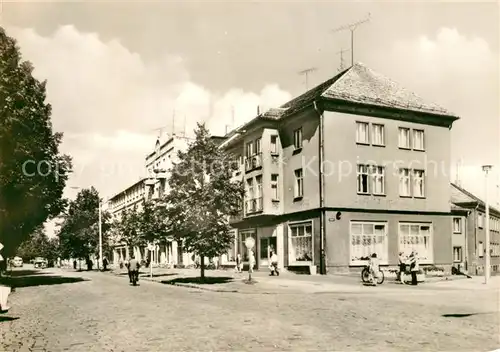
(239, 264)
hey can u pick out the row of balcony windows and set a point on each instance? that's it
(254, 205)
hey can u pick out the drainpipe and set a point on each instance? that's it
(475, 233)
(466, 249)
(322, 264)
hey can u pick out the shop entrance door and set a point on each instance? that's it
(267, 244)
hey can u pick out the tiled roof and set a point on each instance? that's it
(311, 95)
(460, 195)
(274, 113)
(360, 84)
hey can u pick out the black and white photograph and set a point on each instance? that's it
(249, 176)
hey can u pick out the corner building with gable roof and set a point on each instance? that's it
(355, 166)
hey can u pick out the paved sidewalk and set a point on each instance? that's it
(230, 281)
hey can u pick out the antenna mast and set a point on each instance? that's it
(173, 123)
(352, 27)
(341, 52)
(306, 73)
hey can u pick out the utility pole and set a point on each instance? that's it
(352, 27)
(486, 169)
(341, 52)
(306, 73)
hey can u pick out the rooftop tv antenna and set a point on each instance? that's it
(341, 52)
(306, 73)
(159, 129)
(352, 27)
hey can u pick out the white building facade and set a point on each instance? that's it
(152, 188)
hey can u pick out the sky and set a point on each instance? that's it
(118, 71)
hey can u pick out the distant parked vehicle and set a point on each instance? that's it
(17, 262)
(40, 263)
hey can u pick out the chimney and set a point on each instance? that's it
(258, 109)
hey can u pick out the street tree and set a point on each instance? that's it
(79, 230)
(33, 173)
(153, 225)
(202, 197)
(38, 244)
(126, 228)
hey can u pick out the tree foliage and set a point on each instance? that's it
(33, 173)
(138, 227)
(79, 231)
(202, 197)
(126, 228)
(39, 244)
(153, 225)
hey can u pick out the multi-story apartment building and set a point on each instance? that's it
(126, 200)
(469, 233)
(354, 166)
(152, 188)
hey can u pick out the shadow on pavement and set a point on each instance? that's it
(460, 315)
(2, 319)
(26, 272)
(41, 280)
(198, 281)
(158, 275)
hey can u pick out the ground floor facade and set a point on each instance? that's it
(350, 238)
(169, 254)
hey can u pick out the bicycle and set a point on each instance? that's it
(365, 276)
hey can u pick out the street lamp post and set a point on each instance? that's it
(486, 169)
(100, 262)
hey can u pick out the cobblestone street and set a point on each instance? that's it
(103, 312)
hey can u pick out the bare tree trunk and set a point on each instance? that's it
(202, 267)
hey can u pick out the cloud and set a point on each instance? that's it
(108, 101)
(460, 73)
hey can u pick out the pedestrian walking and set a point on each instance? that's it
(105, 263)
(239, 264)
(414, 267)
(274, 264)
(74, 264)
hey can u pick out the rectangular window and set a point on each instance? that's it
(258, 181)
(249, 149)
(378, 137)
(368, 238)
(363, 174)
(457, 225)
(300, 242)
(480, 249)
(362, 133)
(480, 218)
(418, 139)
(299, 184)
(418, 183)
(404, 138)
(297, 138)
(257, 146)
(250, 190)
(274, 187)
(274, 144)
(457, 254)
(378, 180)
(415, 236)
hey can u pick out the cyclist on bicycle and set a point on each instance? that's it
(374, 268)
